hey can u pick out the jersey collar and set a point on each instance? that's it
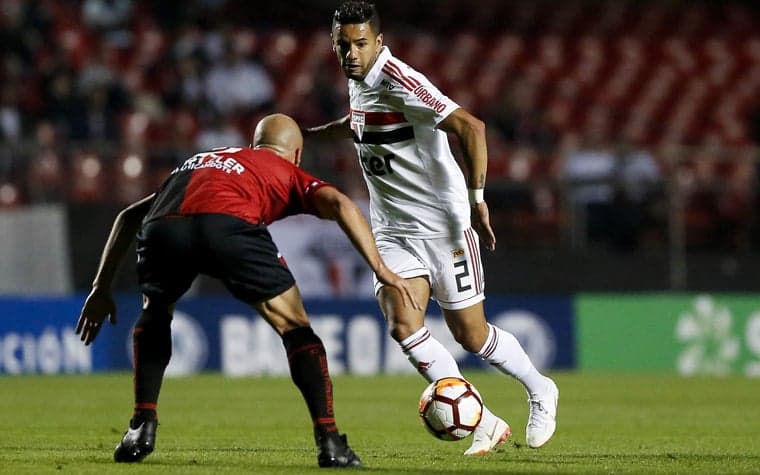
(373, 76)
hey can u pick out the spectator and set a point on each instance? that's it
(639, 184)
(10, 130)
(102, 115)
(97, 71)
(191, 88)
(220, 131)
(45, 181)
(238, 83)
(106, 14)
(735, 213)
(589, 172)
(10, 115)
(63, 106)
(519, 120)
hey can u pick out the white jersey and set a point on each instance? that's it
(416, 187)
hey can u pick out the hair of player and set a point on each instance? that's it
(355, 12)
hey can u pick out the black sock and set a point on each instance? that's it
(152, 345)
(308, 368)
(142, 415)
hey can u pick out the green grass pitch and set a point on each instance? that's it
(213, 424)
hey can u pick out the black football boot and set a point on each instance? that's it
(334, 450)
(137, 443)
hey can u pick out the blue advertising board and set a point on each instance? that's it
(222, 334)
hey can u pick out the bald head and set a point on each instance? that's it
(280, 134)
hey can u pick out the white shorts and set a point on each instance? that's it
(451, 264)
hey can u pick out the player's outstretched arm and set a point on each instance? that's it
(99, 304)
(471, 132)
(335, 130)
(332, 204)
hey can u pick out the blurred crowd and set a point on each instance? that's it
(611, 123)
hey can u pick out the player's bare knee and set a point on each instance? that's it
(396, 333)
(283, 323)
(400, 331)
(295, 320)
(460, 338)
(471, 345)
(470, 341)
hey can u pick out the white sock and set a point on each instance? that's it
(503, 351)
(429, 356)
(433, 361)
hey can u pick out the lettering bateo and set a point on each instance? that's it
(358, 345)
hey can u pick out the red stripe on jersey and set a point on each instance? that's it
(382, 118)
(395, 67)
(396, 75)
(399, 80)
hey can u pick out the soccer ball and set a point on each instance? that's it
(450, 408)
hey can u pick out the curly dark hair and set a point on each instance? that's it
(354, 12)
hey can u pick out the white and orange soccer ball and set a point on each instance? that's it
(450, 408)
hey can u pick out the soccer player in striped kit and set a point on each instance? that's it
(426, 222)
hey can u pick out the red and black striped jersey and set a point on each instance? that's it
(257, 186)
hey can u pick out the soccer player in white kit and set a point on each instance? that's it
(426, 222)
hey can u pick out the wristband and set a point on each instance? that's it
(475, 195)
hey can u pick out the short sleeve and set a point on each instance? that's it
(423, 102)
(305, 186)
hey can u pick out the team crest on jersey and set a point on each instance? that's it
(357, 123)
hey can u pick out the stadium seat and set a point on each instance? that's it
(130, 177)
(89, 180)
(10, 195)
(45, 177)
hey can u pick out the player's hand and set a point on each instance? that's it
(98, 306)
(482, 224)
(391, 279)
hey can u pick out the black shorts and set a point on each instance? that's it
(172, 251)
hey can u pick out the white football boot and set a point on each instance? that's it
(488, 435)
(542, 420)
